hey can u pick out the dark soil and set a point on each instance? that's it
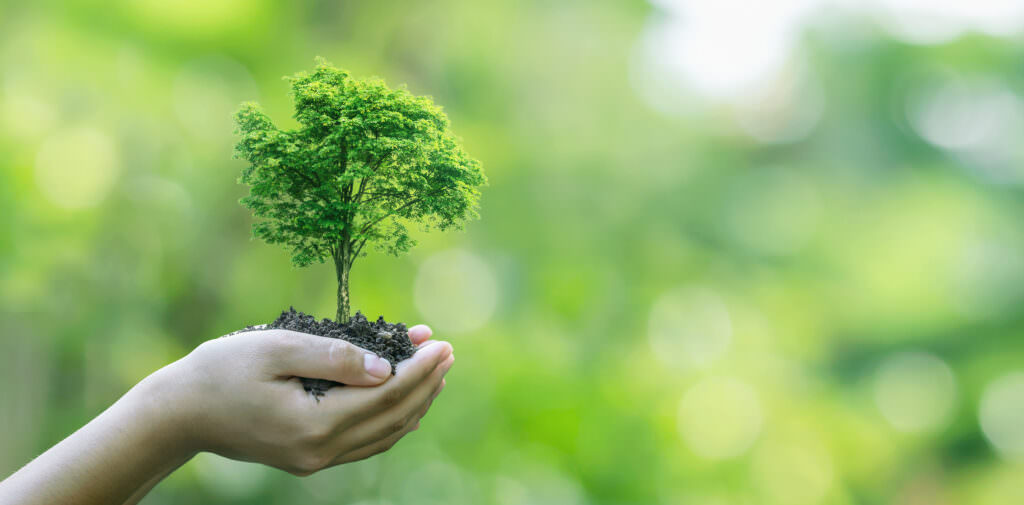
(389, 341)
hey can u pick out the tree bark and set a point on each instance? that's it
(341, 268)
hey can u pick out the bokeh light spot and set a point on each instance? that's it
(77, 168)
(720, 418)
(987, 277)
(537, 483)
(456, 291)
(689, 327)
(914, 391)
(707, 47)
(1002, 415)
(966, 115)
(23, 115)
(792, 472)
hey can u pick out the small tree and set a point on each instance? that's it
(364, 162)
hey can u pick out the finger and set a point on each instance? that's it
(374, 448)
(315, 357)
(394, 419)
(357, 404)
(419, 334)
(382, 445)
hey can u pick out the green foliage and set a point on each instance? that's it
(364, 161)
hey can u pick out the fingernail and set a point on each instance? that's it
(434, 346)
(447, 353)
(376, 366)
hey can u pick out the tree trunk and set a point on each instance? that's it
(341, 268)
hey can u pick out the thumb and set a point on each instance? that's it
(315, 357)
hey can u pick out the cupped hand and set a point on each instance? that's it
(239, 396)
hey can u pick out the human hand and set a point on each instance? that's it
(239, 396)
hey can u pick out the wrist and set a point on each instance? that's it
(159, 406)
(117, 456)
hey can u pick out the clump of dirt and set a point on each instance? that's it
(389, 341)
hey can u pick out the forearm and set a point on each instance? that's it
(117, 457)
(148, 486)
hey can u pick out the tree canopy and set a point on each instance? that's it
(363, 163)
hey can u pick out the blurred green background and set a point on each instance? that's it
(731, 253)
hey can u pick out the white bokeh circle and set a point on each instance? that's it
(1001, 415)
(915, 391)
(720, 418)
(792, 471)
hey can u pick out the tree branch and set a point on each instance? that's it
(373, 223)
(359, 193)
(383, 194)
(358, 249)
(309, 179)
(344, 167)
(363, 181)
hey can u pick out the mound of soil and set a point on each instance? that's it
(389, 341)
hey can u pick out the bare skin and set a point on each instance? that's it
(239, 396)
